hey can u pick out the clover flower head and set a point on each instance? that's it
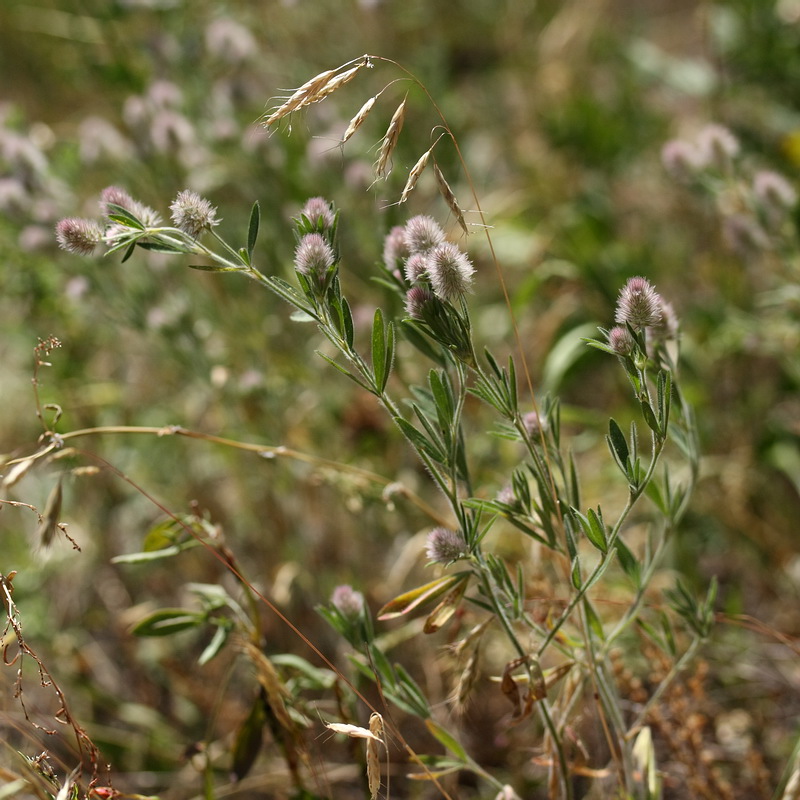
(621, 341)
(316, 209)
(533, 423)
(79, 236)
(313, 257)
(422, 233)
(149, 217)
(444, 545)
(717, 146)
(415, 267)
(347, 601)
(450, 271)
(394, 248)
(639, 304)
(193, 214)
(417, 298)
(681, 159)
(773, 191)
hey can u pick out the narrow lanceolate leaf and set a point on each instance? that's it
(167, 621)
(446, 738)
(379, 366)
(597, 531)
(617, 443)
(390, 349)
(252, 230)
(420, 596)
(650, 418)
(248, 740)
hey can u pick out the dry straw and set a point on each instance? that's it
(416, 171)
(358, 119)
(450, 198)
(390, 140)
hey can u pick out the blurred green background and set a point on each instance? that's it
(561, 110)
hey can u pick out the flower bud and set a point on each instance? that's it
(347, 601)
(313, 257)
(621, 341)
(318, 211)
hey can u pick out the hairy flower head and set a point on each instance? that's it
(395, 248)
(415, 267)
(313, 257)
(117, 196)
(444, 545)
(717, 146)
(347, 601)
(193, 214)
(318, 209)
(416, 299)
(78, 235)
(621, 341)
(639, 304)
(450, 271)
(422, 234)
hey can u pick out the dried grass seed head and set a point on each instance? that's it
(413, 176)
(389, 141)
(450, 198)
(639, 304)
(193, 214)
(358, 119)
(79, 236)
(450, 271)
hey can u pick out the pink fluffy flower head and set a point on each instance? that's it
(193, 214)
(79, 236)
(318, 209)
(450, 271)
(313, 257)
(347, 601)
(444, 545)
(422, 234)
(639, 304)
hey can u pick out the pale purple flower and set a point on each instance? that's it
(347, 601)
(533, 424)
(422, 233)
(681, 159)
(450, 271)
(667, 327)
(193, 214)
(415, 267)
(621, 341)
(506, 496)
(394, 247)
(416, 299)
(774, 191)
(78, 235)
(229, 41)
(149, 217)
(318, 208)
(313, 257)
(717, 146)
(639, 304)
(444, 545)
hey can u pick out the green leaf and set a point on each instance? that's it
(594, 621)
(379, 366)
(343, 370)
(203, 267)
(215, 645)
(597, 531)
(413, 693)
(161, 247)
(447, 739)
(650, 418)
(128, 252)
(167, 621)
(252, 229)
(418, 439)
(575, 573)
(123, 216)
(630, 566)
(618, 445)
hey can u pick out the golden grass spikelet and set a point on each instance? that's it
(416, 171)
(390, 140)
(358, 119)
(467, 679)
(450, 198)
(300, 97)
(336, 82)
(373, 755)
(272, 684)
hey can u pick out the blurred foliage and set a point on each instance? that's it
(561, 109)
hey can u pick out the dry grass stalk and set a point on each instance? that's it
(272, 684)
(390, 140)
(314, 90)
(416, 171)
(373, 756)
(466, 682)
(358, 119)
(450, 198)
